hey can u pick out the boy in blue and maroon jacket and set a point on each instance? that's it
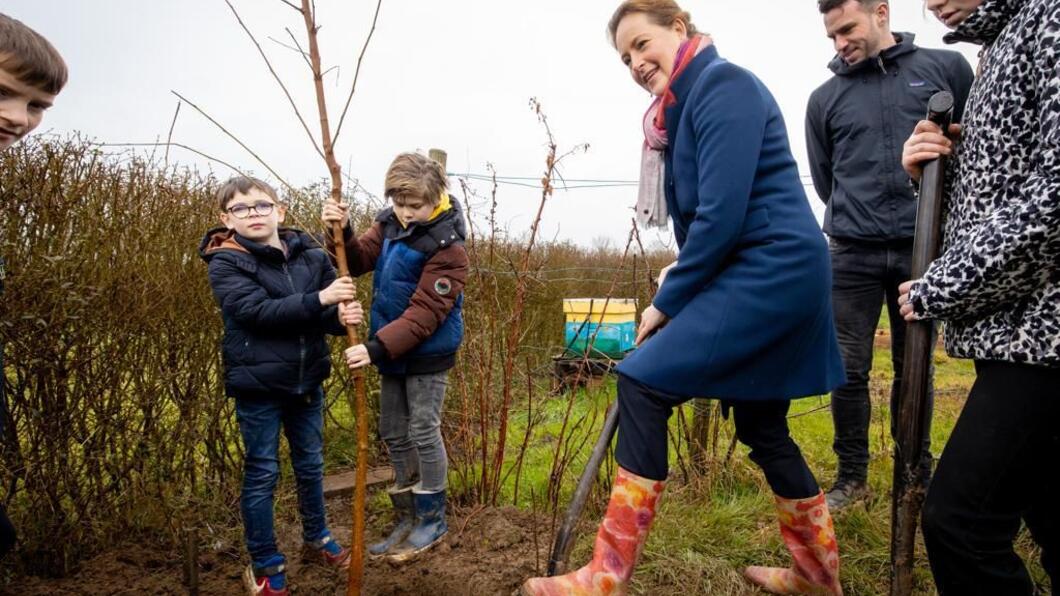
(279, 297)
(416, 250)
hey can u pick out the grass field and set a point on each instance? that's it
(712, 525)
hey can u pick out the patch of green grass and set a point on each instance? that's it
(712, 526)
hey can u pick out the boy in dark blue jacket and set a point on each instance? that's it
(416, 250)
(278, 294)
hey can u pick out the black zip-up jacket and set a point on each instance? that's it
(270, 302)
(856, 123)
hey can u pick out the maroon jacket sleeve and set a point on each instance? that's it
(441, 283)
(361, 251)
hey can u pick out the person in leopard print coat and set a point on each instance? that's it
(997, 287)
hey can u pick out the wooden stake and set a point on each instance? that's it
(191, 561)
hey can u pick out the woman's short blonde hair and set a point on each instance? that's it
(661, 12)
(412, 175)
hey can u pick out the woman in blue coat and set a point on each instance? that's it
(744, 315)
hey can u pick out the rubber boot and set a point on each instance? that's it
(619, 542)
(404, 520)
(806, 527)
(429, 529)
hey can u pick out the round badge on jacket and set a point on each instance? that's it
(442, 286)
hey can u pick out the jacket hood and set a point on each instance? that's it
(221, 239)
(903, 46)
(986, 23)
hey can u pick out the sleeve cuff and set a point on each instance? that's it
(665, 308)
(376, 350)
(311, 303)
(916, 299)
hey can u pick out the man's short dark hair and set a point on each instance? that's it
(827, 6)
(30, 58)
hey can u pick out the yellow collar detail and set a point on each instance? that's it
(443, 205)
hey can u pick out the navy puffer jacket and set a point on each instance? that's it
(399, 273)
(270, 303)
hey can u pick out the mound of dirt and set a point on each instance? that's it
(488, 551)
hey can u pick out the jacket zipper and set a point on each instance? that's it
(888, 132)
(301, 337)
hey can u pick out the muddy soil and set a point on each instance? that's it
(488, 551)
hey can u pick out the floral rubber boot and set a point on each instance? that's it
(806, 527)
(619, 542)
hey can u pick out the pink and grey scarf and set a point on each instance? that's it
(651, 196)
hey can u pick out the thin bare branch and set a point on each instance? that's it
(305, 54)
(357, 73)
(236, 139)
(181, 146)
(290, 99)
(285, 46)
(292, 5)
(169, 138)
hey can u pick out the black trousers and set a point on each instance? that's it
(762, 425)
(1000, 466)
(865, 277)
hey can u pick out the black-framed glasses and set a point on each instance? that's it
(259, 208)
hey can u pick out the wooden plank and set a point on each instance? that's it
(342, 483)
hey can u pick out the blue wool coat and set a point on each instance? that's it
(750, 296)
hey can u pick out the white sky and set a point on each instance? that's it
(455, 75)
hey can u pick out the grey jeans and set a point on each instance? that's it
(410, 423)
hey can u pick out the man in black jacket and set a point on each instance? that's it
(856, 123)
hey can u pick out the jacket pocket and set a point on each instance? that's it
(236, 348)
(756, 219)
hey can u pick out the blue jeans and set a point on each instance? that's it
(865, 277)
(302, 418)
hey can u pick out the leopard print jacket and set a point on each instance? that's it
(997, 282)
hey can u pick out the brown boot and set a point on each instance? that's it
(806, 527)
(634, 501)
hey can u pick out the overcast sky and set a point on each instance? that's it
(455, 75)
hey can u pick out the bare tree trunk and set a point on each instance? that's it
(356, 571)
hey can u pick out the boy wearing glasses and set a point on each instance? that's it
(278, 296)
(32, 73)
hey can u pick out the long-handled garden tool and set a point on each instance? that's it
(913, 414)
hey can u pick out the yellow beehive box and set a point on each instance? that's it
(610, 331)
(619, 310)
